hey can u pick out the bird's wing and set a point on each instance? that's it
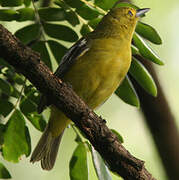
(79, 48)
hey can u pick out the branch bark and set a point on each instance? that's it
(27, 62)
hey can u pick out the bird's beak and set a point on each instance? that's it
(141, 12)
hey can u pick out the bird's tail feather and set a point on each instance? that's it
(46, 149)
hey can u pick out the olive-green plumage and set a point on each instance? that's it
(95, 73)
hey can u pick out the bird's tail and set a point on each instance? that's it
(46, 149)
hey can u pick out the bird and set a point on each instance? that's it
(94, 67)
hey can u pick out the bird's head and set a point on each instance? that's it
(127, 17)
(119, 22)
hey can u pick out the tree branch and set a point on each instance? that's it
(27, 62)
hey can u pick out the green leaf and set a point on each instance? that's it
(74, 3)
(100, 167)
(148, 32)
(134, 49)
(41, 47)
(27, 3)
(5, 107)
(52, 14)
(27, 135)
(11, 3)
(143, 77)
(57, 49)
(72, 18)
(5, 87)
(118, 135)
(19, 79)
(29, 109)
(85, 30)
(105, 4)
(78, 139)
(78, 163)
(4, 173)
(127, 93)
(15, 139)
(60, 32)
(28, 89)
(94, 22)
(37, 120)
(70, 15)
(145, 51)
(9, 74)
(28, 33)
(26, 14)
(8, 15)
(87, 12)
(33, 95)
(15, 93)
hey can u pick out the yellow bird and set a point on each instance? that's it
(94, 66)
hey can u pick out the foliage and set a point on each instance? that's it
(48, 31)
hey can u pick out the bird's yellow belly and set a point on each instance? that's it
(95, 79)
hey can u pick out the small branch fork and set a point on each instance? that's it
(28, 63)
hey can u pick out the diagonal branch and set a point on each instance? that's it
(27, 62)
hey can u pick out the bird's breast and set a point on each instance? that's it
(98, 73)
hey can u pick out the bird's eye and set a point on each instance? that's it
(130, 13)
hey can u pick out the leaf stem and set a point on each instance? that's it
(20, 96)
(94, 6)
(76, 132)
(42, 31)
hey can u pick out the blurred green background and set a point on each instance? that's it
(124, 118)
